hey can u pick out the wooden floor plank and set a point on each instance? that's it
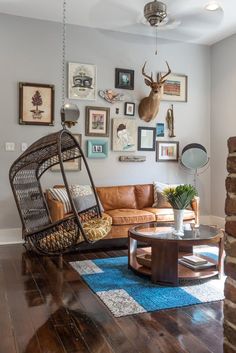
(47, 309)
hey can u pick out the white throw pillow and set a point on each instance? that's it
(159, 199)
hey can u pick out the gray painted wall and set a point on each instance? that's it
(223, 57)
(31, 52)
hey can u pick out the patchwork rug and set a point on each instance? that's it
(125, 293)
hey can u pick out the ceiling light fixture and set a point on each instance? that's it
(212, 6)
(155, 12)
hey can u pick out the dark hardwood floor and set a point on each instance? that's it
(44, 309)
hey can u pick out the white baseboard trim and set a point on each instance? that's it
(11, 236)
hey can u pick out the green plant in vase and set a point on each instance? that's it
(179, 197)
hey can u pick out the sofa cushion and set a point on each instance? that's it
(144, 195)
(117, 197)
(130, 216)
(167, 215)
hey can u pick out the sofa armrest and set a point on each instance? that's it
(195, 206)
(56, 209)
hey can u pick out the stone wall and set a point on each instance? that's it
(230, 248)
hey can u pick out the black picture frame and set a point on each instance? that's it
(124, 79)
(146, 141)
(129, 108)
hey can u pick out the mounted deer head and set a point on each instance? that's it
(149, 106)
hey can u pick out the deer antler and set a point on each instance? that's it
(161, 80)
(150, 78)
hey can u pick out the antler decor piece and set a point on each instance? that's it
(149, 106)
(111, 96)
(170, 121)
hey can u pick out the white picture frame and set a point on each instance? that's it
(82, 81)
(175, 88)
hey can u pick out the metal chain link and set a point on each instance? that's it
(63, 94)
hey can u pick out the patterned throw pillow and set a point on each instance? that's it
(60, 194)
(159, 199)
(80, 190)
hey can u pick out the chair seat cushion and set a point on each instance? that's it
(97, 228)
(130, 216)
(167, 215)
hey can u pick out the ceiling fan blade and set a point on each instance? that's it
(200, 19)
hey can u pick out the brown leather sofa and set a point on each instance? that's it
(128, 205)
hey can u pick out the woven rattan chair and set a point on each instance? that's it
(43, 235)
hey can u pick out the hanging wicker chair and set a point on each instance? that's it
(43, 235)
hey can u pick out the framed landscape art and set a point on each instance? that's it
(36, 104)
(175, 88)
(97, 121)
(167, 151)
(82, 81)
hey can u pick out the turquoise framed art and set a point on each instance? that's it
(97, 148)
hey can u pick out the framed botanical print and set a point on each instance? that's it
(124, 79)
(72, 165)
(97, 148)
(146, 138)
(124, 135)
(175, 88)
(167, 151)
(36, 104)
(97, 121)
(82, 81)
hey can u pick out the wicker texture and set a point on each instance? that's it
(25, 173)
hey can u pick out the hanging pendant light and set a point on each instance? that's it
(69, 112)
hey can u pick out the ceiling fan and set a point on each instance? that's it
(185, 20)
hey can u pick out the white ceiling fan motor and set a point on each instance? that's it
(155, 12)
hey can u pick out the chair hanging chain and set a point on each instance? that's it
(156, 42)
(63, 53)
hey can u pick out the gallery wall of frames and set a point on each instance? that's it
(103, 132)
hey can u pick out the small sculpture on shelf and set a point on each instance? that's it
(170, 121)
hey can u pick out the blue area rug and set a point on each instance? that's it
(125, 293)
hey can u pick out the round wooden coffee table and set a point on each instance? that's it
(161, 260)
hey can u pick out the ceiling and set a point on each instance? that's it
(188, 20)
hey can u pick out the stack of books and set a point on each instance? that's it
(195, 262)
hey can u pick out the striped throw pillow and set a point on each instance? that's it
(60, 194)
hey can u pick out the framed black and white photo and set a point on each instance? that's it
(124, 79)
(129, 108)
(146, 138)
(82, 81)
(97, 149)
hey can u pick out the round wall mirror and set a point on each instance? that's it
(194, 156)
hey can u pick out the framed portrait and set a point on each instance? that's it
(129, 108)
(167, 151)
(97, 121)
(160, 129)
(82, 81)
(124, 79)
(124, 135)
(175, 88)
(36, 104)
(146, 138)
(72, 165)
(97, 149)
